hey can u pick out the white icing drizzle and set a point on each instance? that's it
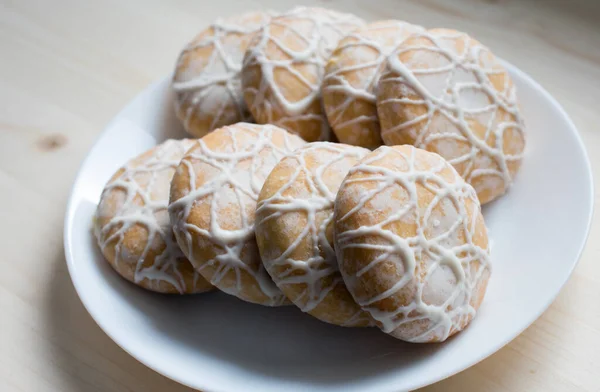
(305, 65)
(215, 88)
(362, 52)
(145, 185)
(457, 86)
(440, 247)
(226, 173)
(312, 197)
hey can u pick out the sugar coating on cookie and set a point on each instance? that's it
(351, 76)
(294, 231)
(283, 69)
(445, 92)
(213, 204)
(411, 243)
(132, 225)
(207, 81)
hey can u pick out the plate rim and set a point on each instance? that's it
(70, 213)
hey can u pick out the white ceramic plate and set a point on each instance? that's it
(215, 342)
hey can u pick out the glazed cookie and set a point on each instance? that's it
(207, 80)
(213, 203)
(283, 69)
(351, 77)
(445, 92)
(294, 231)
(132, 224)
(411, 243)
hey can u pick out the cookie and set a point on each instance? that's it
(132, 225)
(445, 92)
(213, 204)
(351, 76)
(294, 231)
(411, 243)
(207, 82)
(283, 69)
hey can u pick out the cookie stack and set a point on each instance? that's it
(383, 228)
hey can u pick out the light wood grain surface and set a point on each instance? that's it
(68, 66)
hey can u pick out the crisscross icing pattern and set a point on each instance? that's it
(295, 227)
(445, 92)
(284, 66)
(351, 78)
(411, 243)
(213, 202)
(207, 78)
(132, 225)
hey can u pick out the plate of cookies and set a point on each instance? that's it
(316, 202)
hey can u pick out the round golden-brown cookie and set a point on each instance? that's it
(213, 204)
(294, 231)
(283, 69)
(351, 77)
(445, 92)
(411, 243)
(132, 224)
(207, 80)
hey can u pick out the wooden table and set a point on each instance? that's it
(68, 66)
